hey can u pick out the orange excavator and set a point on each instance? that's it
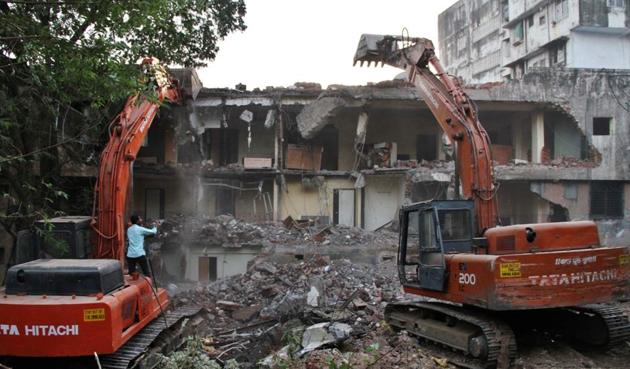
(475, 280)
(86, 307)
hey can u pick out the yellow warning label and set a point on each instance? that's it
(93, 315)
(624, 259)
(510, 270)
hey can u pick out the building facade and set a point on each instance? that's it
(487, 40)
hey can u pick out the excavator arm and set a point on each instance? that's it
(127, 132)
(454, 111)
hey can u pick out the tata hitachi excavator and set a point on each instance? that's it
(90, 307)
(471, 276)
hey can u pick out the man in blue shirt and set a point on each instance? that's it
(135, 251)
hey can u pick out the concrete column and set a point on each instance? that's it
(170, 146)
(538, 136)
(278, 163)
(519, 140)
(276, 157)
(276, 200)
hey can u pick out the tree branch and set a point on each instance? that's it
(89, 19)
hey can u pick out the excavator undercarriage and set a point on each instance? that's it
(488, 339)
(162, 336)
(485, 341)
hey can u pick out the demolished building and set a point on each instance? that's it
(352, 155)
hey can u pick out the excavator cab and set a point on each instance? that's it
(429, 230)
(59, 238)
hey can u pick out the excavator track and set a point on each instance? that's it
(165, 334)
(597, 325)
(484, 341)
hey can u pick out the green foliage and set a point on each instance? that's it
(343, 365)
(54, 246)
(293, 339)
(372, 348)
(65, 66)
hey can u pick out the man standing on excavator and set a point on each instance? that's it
(135, 251)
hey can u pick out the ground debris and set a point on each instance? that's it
(325, 313)
(251, 313)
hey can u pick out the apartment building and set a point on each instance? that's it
(488, 40)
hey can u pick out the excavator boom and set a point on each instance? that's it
(454, 111)
(127, 131)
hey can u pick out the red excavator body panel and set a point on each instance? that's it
(63, 326)
(535, 280)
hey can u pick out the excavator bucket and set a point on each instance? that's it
(392, 50)
(372, 48)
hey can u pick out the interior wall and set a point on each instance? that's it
(181, 195)
(229, 262)
(262, 139)
(250, 206)
(520, 205)
(301, 201)
(402, 128)
(346, 124)
(386, 125)
(194, 196)
(383, 197)
(574, 196)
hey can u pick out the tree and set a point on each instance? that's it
(65, 67)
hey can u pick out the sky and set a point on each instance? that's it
(288, 41)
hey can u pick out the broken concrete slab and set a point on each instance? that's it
(246, 313)
(267, 268)
(322, 334)
(278, 356)
(318, 114)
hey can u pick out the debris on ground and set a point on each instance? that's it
(322, 313)
(323, 303)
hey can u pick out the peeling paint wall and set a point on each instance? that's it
(594, 13)
(518, 205)
(585, 94)
(576, 197)
(468, 38)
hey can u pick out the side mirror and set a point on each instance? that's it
(530, 235)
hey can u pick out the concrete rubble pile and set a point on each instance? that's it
(227, 231)
(278, 314)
